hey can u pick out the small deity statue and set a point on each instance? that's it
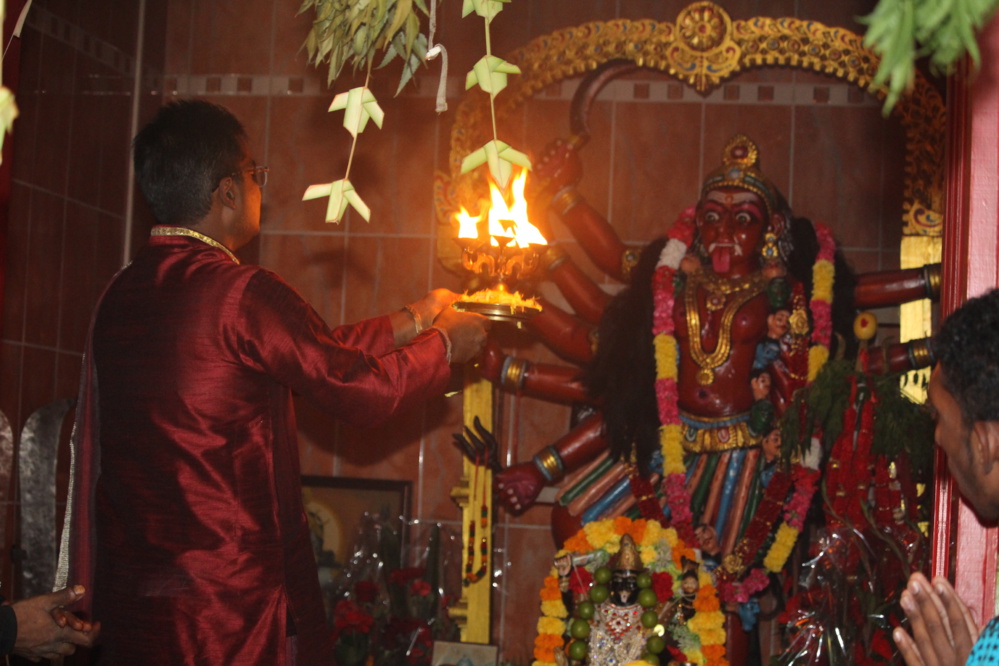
(617, 635)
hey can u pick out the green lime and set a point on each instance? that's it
(578, 650)
(647, 598)
(651, 658)
(579, 629)
(655, 644)
(599, 594)
(644, 580)
(602, 575)
(585, 610)
(650, 618)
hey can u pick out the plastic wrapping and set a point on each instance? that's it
(390, 602)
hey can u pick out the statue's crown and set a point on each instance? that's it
(628, 558)
(741, 168)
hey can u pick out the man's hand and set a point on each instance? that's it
(467, 332)
(943, 630)
(45, 630)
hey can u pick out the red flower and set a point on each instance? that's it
(420, 588)
(662, 585)
(348, 617)
(580, 580)
(402, 577)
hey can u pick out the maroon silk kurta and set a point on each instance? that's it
(187, 500)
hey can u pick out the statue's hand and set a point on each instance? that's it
(559, 166)
(518, 486)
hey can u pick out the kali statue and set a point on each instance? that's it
(692, 366)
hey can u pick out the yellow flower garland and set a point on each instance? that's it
(707, 624)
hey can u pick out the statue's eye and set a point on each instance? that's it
(744, 218)
(711, 217)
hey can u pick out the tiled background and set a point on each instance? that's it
(72, 212)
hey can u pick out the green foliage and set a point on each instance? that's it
(900, 31)
(355, 31)
(900, 425)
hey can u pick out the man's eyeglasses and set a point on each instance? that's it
(257, 173)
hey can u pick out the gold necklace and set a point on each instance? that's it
(191, 233)
(718, 289)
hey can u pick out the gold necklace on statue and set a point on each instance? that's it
(718, 291)
(191, 233)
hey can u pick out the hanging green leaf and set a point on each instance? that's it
(340, 193)
(487, 9)
(358, 104)
(500, 156)
(490, 74)
(900, 31)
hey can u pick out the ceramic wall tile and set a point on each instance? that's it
(44, 253)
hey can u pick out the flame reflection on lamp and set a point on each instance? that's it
(506, 258)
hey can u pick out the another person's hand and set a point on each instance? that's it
(467, 332)
(942, 628)
(518, 486)
(45, 630)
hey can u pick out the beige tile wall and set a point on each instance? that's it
(838, 162)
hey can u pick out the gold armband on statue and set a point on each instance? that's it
(565, 199)
(550, 464)
(553, 257)
(629, 259)
(514, 373)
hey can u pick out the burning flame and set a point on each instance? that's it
(505, 221)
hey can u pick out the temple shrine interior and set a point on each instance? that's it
(87, 74)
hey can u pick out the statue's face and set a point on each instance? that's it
(624, 588)
(732, 223)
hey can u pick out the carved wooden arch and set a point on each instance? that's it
(703, 48)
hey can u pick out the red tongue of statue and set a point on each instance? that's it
(721, 260)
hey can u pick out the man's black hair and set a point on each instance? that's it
(182, 155)
(967, 347)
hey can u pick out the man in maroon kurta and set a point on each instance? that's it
(187, 503)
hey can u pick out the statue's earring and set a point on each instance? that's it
(773, 265)
(770, 251)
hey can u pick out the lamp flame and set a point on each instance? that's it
(505, 221)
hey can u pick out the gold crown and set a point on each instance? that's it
(628, 558)
(741, 168)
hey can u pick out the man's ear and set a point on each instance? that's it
(226, 192)
(985, 437)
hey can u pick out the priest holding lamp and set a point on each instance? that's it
(186, 520)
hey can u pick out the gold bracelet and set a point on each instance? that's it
(565, 199)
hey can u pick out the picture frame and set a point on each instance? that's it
(335, 507)
(464, 654)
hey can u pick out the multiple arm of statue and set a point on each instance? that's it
(727, 302)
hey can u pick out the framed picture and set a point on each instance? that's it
(335, 507)
(463, 654)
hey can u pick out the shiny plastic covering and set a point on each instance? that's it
(390, 601)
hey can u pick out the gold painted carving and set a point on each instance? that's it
(702, 49)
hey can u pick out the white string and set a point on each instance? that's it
(433, 50)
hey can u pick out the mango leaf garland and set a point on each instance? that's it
(355, 30)
(900, 31)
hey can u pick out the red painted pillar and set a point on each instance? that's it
(962, 545)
